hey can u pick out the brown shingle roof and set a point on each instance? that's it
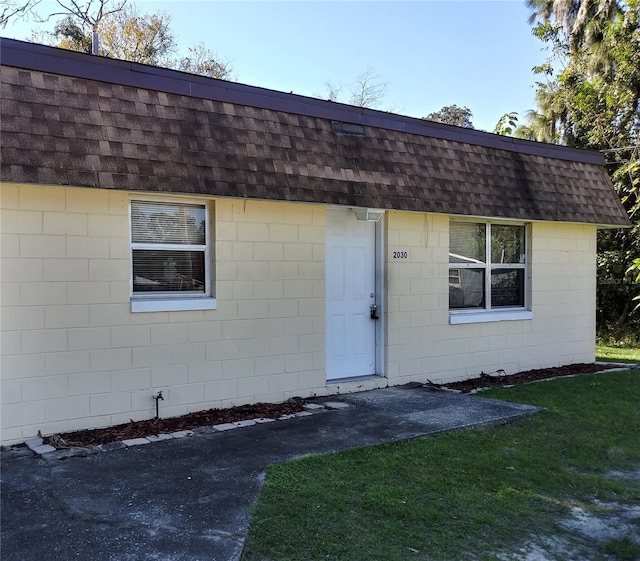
(72, 119)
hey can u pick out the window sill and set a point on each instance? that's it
(172, 304)
(456, 318)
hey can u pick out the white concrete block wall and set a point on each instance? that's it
(421, 343)
(73, 354)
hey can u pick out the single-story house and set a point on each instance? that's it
(227, 244)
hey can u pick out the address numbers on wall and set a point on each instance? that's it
(400, 254)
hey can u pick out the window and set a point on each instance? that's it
(487, 266)
(169, 256)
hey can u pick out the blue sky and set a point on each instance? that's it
(473, 53)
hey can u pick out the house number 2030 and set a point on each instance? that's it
(400, 254)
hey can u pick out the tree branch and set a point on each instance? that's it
(75, 9)
(16, 10)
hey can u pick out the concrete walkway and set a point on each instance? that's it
(190, 499)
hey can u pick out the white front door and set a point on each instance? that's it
(350, 292)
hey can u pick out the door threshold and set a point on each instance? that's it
(363, 378)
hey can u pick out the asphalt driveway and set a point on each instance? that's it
(190, 498)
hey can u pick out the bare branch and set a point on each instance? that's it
(333, 91)
(90, 13)
(16, 10)
(368, 91)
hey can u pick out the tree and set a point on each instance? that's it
(69, 35)
(128, 34)
(452, 115)
(205, 62)
(366, 91)
(590, 98)
(138, 37)
(506, 125)
(537, 126)
(16, 10)
(333, 91)
(577, 22)
(542, 124)
(89, 14)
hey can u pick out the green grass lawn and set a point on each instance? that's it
(462, 495)
(617, 354)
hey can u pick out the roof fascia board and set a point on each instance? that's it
(471, 218)
(42, 58)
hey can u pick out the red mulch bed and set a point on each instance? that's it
(499, 380)
(137, 429)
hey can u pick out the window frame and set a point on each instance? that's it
(489, 312)
(179, 300)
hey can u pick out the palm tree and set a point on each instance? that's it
(538, 126)
(576, 28)
(579, 21)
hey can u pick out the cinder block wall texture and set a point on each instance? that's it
(73, 354)
(75, 357)
(420, 340)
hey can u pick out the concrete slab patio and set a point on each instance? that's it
(190, 498)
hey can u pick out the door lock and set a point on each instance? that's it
(374, 311)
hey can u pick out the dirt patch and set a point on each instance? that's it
(138, 429)
(500, 378)
(606, 531)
